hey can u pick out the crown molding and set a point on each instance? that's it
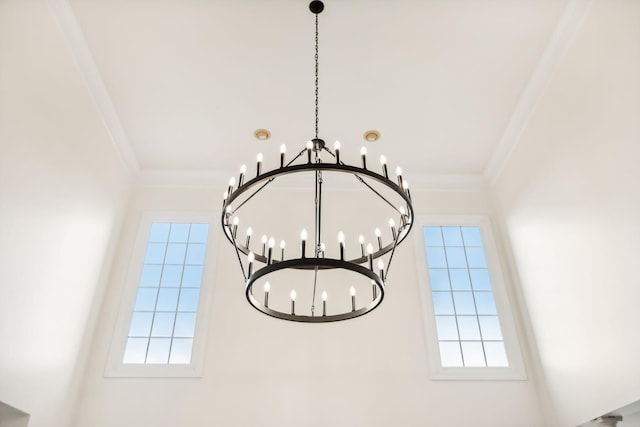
(81, 54)
(219, 179)
(558, 45)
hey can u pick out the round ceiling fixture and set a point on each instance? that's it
(262, 134)
(371, 135)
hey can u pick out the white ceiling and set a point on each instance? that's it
(182, 85)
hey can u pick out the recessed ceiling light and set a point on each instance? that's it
(371, 135)
(262, 134)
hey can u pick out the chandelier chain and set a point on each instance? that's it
(316, 76)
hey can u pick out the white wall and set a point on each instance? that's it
(62, 193)
(260, 371)
(569, 199)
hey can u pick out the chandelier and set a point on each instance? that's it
(355, 274)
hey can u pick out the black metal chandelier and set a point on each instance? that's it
(260, 261)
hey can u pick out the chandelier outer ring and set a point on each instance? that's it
(310, 263)
(266, 177)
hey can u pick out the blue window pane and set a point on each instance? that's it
(192, 276)
(175, 253)
(136, 350)
(185, 325)
(450, 355)
(473, 354)
(436, 258)
(171, 275)
(140, 324)
(447, 328)
(150, 275)
(189, 300)
(155, 253)
(167, 299)
(471, 236)
(146, 299)
(179, 233)
(460, 279)
(475, 258)
(199, 233)
(159, 232)
(480, 279)
(485, 303)
(496, 354)
(490, 328)
(195, 254)
(163, 324)
(456, 258)
(452, 236)
(158, 350)
(181, 351)
(432, 236)
(464, 303)
(442, 303)
(468, 327)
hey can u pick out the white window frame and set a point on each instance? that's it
(515, 370)
(115, 367)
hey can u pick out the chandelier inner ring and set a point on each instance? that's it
(309, 264)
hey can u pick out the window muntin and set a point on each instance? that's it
(468, 329)
(163, 323)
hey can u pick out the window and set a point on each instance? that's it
(471, 326)
(164, 315)
(163, 304)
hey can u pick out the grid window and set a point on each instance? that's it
(163, 322)
(467, 324)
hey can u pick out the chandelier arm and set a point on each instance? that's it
(244, 275)
(395, 245)
(268, 182)
(365, 183)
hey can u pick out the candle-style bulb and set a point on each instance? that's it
(405, 184)
(363, 151)
(361, 239)
(243, 170)
(380, 264)
(225, 195)
(341, 237)
(402, 210)
(264, 239)
(383, 162)
(392, 223)
(293, 295)
(309, 145)
(324, 295)
(303, 234)
(282, 244)
(352, 291)
(236, 220)
(232, 181)
(369, 249)
(272, 242)
(363, 154)
(249, 233)
(399, 171)
(251, 257)
(378, 232)
(267, 286)
(336, 147)
(258, 164)
(283, 150)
